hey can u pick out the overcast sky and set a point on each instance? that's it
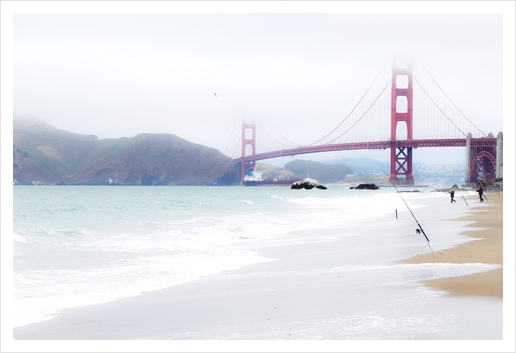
(116, 75)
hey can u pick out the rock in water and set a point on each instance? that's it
(307, 183)
(366, 187)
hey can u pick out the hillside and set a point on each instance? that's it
(43, 154)
(324, 173)
(369, 170)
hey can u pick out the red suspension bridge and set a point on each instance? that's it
(392, 119)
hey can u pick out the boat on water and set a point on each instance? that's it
(255, 178)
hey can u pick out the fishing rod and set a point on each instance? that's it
(458, 189)
(419, 225)
(484, 193)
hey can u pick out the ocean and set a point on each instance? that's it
(79, 245)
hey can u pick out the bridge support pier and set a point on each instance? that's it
(467, 174)
(484, 161)
(499, 155)
(401, 165)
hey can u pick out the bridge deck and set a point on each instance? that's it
(459, 142)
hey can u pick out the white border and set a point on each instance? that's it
(8, 8)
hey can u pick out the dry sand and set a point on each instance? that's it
(486, 248)
(308, 293)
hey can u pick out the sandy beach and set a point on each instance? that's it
(326, 290)
(487, 248)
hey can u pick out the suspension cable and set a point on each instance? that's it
(437, 106)
(293, 143)
(238, 143)
(374, 102)
(230, 137)
(452, 101)
(342, 122)
(281, 143)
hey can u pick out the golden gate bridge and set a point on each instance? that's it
(404, 108)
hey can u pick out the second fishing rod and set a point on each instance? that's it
(458, 188)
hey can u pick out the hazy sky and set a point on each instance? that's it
(119, 74)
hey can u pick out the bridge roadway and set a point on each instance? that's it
(457, 142)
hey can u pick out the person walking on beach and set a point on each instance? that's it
(480, 193)
(452, 195)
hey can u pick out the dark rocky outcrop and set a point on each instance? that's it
(46, 155)
(365, 187)
(307, 183)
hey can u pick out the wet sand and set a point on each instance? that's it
(487, 248)
(320, 291)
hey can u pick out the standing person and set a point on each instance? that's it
(452, 195)
(480, 193)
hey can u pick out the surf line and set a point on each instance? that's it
(458, 189)
(419, 225)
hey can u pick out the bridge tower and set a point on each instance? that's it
(248, 142)
(401, 112)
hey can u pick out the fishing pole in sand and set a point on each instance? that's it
(419, 225)
(458, 189)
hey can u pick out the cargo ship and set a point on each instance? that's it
(255, 179)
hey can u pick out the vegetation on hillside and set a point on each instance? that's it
(324, 173)
(43, 154)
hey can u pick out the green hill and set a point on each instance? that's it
(324, 173)
(43, 154)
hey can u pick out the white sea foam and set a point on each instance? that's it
(97, 244)
(41, 294)
(19, 238)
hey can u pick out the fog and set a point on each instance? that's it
(199, 75)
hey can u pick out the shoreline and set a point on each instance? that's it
(312, 290)
(485, 247)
